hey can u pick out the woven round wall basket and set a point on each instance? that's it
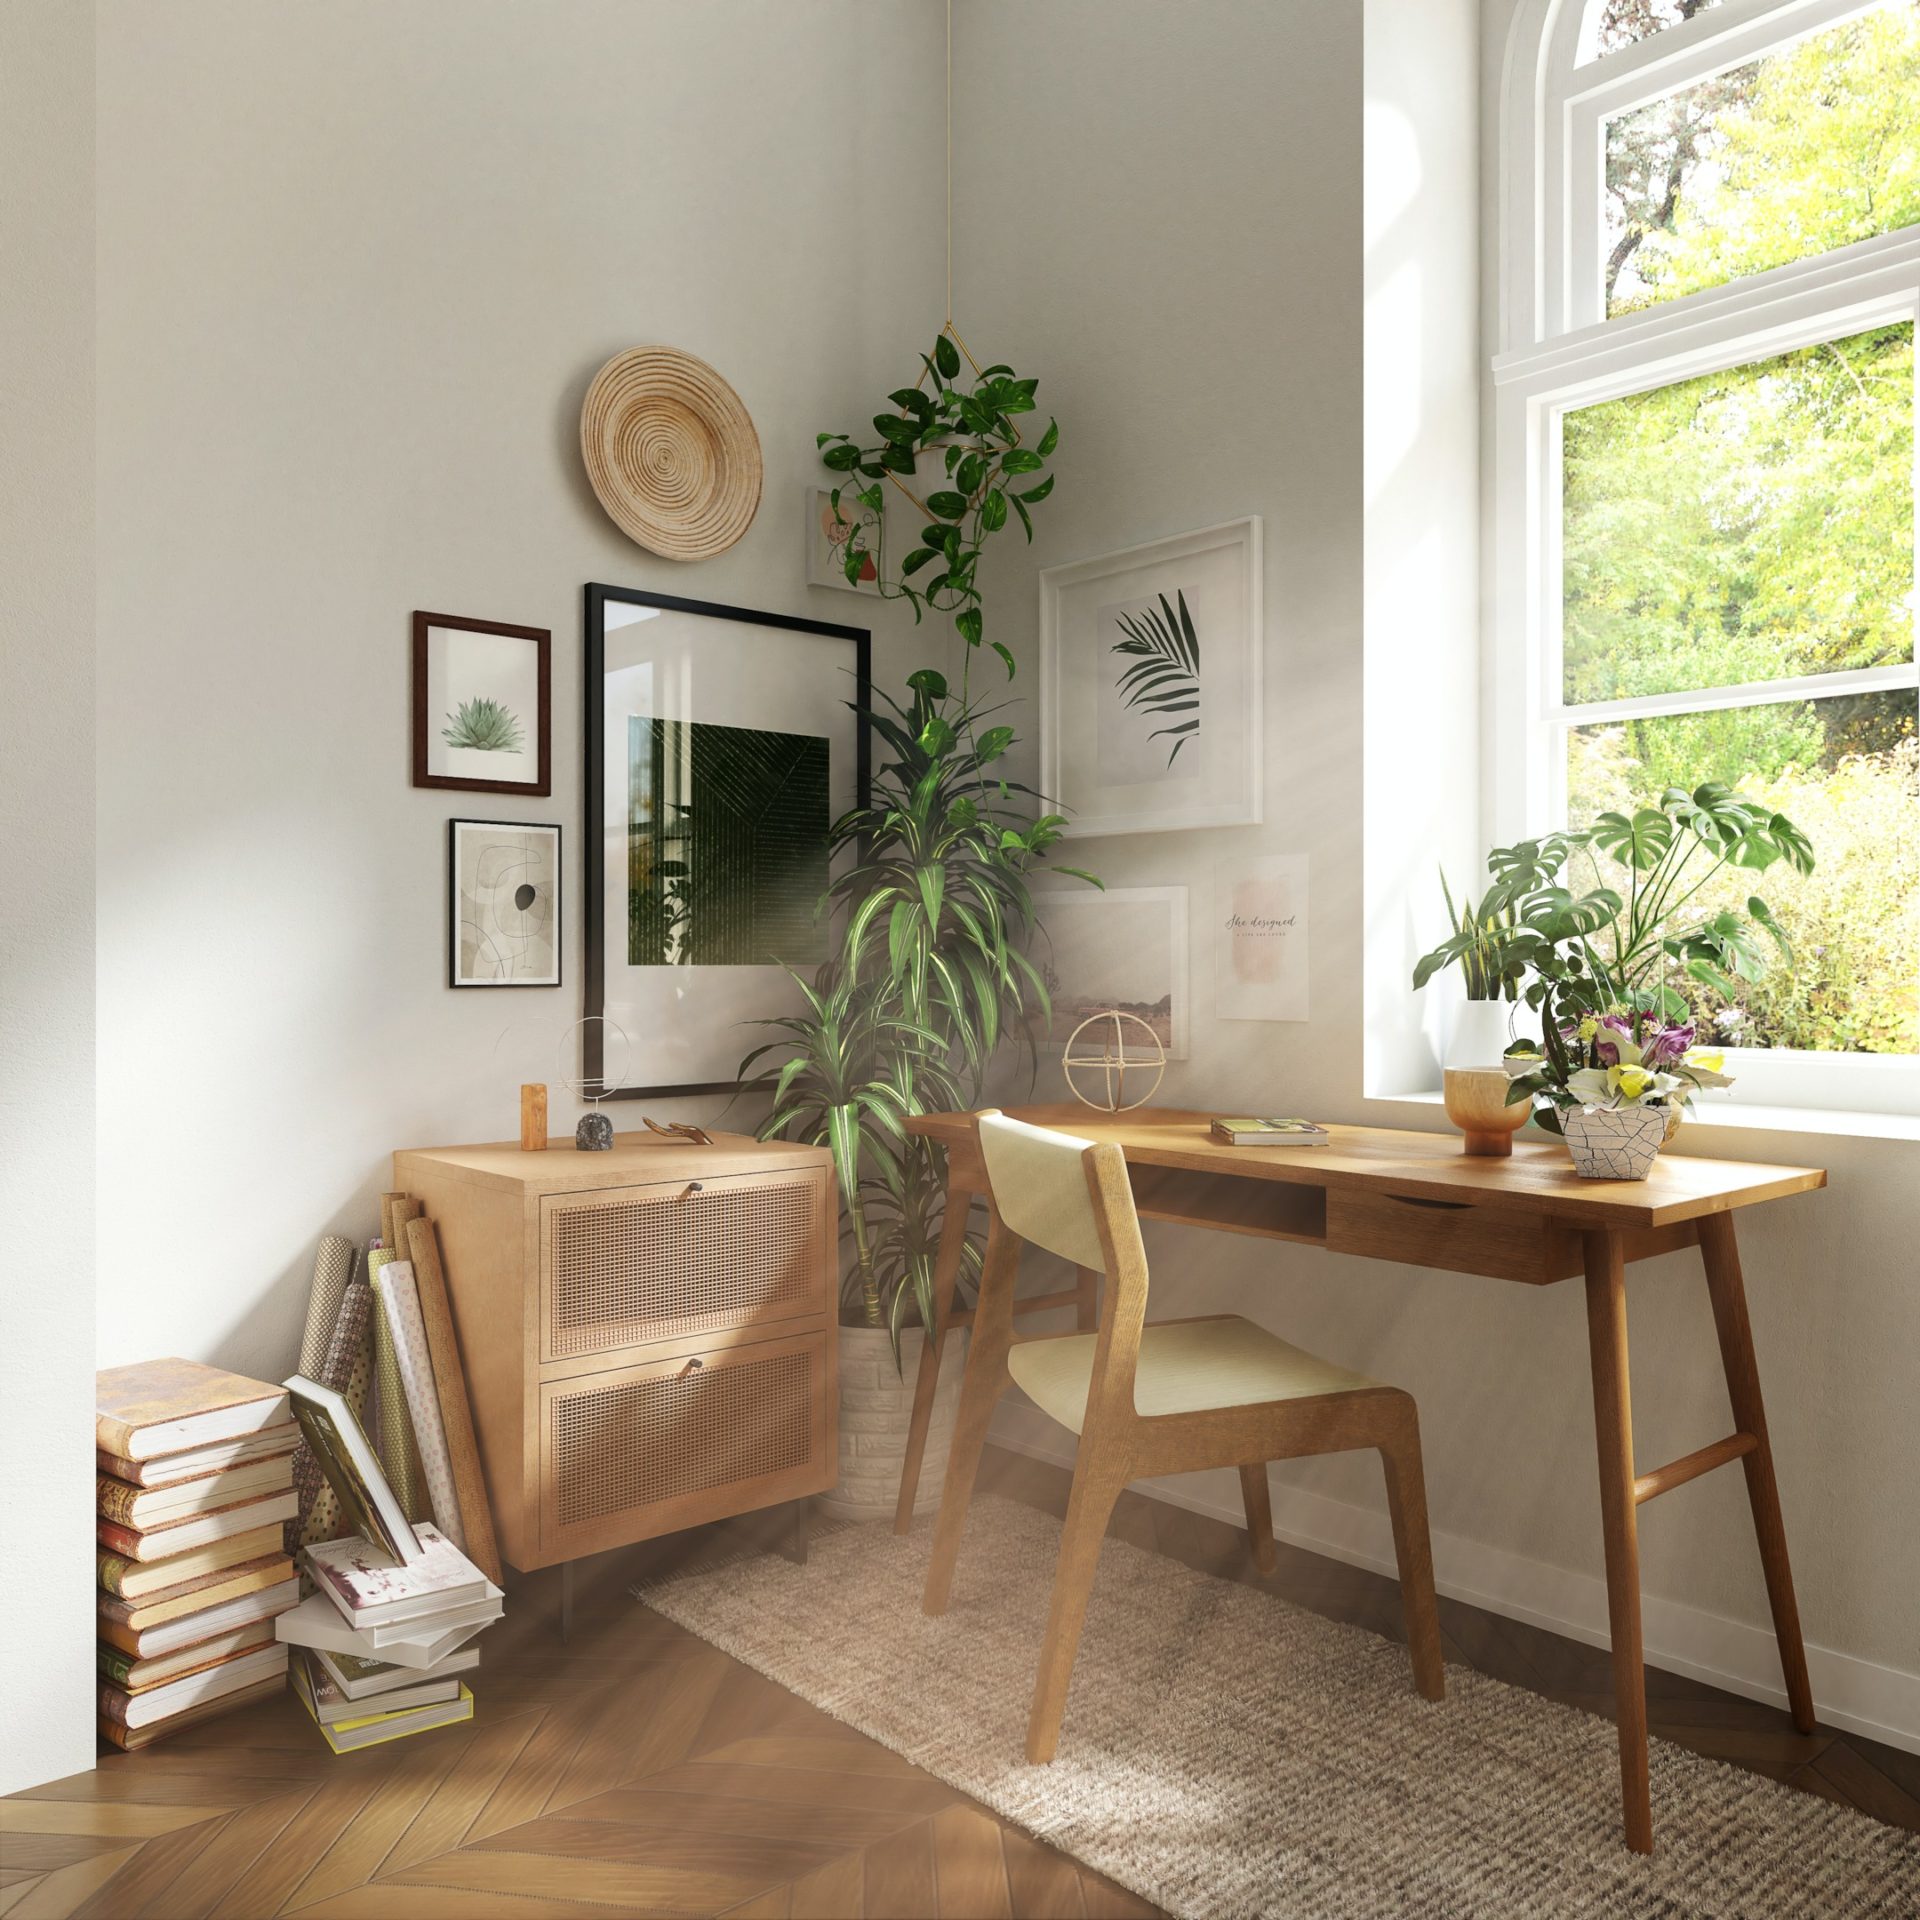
(671, 452)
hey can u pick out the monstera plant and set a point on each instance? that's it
(990, 475)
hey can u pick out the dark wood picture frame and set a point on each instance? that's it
(542, 638)
(453, 903)
(597, 597)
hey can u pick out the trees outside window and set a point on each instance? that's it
(1707, 469)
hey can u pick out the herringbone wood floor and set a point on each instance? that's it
(637, 1770)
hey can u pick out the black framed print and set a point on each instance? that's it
(722, 744)
(503, 904)
(482, 706)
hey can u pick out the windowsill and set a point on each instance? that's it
(1739, 1117)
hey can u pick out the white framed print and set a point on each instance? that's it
(503, 904)
(1260, 937)
(1117, 949)
(1150, 678)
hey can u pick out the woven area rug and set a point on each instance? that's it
(1227, 1754)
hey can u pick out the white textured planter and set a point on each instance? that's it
(1614, 1143)
(876, 1408)
(1481, 1031)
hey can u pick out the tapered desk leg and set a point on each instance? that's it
(1613, 1429)
(1721, 1257)
(946, 1270)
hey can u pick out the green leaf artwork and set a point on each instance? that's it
(728, 832)
(483, 726)
(1164, 680)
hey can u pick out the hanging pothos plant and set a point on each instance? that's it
(990, 475)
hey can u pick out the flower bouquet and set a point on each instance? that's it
(1613, 1084)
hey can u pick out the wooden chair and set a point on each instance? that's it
(1145, 1400)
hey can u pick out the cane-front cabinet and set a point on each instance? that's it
(648, 1333)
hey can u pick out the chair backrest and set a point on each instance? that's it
(1042, 1189)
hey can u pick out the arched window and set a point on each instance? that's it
(1705, 561)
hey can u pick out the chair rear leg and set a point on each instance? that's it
(1088, 1511)
(1407, 1507)
(1259, 1505)
(986, 1379)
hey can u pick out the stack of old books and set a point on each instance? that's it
(194, 1489)
(380, 1646)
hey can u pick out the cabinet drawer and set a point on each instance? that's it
(628, 1265)
(1452, 1237)
(645, 1450)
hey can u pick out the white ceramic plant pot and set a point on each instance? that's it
(1481, 1032)
(876, 1408)
(1614, 1143)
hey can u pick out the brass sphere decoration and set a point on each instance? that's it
(1114, 1061)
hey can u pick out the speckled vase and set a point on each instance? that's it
(594, 1134)
(1614, 1143)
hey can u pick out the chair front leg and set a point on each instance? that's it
(1097, 1482)
(946, 1270)
(1407, 1509)
(986, 1379)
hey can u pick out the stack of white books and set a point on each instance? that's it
(384, 1641)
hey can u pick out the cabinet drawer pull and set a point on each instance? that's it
(693, 1366)
(693, 1187)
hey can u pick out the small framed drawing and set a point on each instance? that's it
(482, 706)
(722, 745)
(503, 904)
(1123, 948)
(1150, 684)
(827, 530)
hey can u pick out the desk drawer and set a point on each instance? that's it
(1451, 1236)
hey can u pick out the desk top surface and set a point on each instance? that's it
(1538, 1179)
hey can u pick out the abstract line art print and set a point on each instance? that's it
(503, 895)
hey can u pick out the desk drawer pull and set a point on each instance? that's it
(1437, 1206)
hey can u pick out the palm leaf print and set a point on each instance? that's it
(1165, 676)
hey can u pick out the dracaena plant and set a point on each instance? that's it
(931, 981)
(991, 475)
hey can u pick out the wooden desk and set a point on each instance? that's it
(1418, 1199)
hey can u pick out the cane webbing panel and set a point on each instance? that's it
(721, 1424)
(677, 1262)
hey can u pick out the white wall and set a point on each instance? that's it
(46, 932)
(1163, 218)
(358, 263)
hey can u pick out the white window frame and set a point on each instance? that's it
(1557, 352)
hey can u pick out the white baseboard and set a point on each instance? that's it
(1855, 1695)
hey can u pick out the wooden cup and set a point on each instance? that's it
(1477, 1104)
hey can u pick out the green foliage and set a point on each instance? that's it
(1488, 942)
(1165, 676)
(1640, 936)
(984, 456)
(1810, 149)
(485, 726)
(1853, 922)
(931, 980)
(1746, 525)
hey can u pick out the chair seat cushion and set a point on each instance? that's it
(1186, 1366)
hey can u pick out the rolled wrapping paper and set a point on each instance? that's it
(327, 1522)
(398, 1450)
(400, 1301)
(332, 1269)
(336, 1368)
